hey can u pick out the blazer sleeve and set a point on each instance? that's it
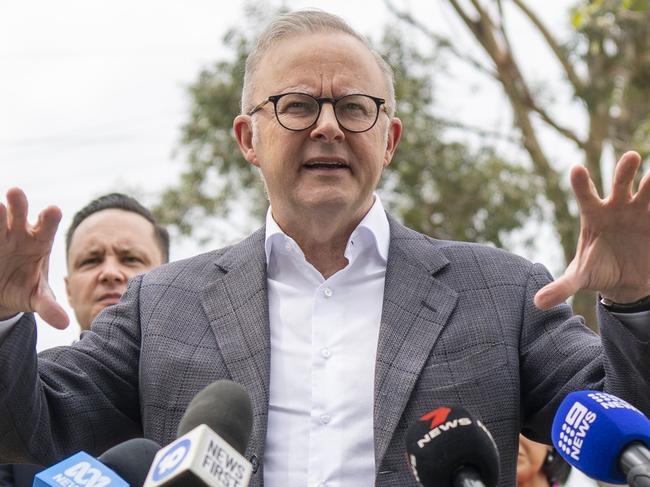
(559, 354)
(78, 397)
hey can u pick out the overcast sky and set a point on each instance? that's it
(92, 95)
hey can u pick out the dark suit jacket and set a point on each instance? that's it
(458, 327)
(18, 475)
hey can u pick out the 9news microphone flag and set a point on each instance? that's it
(604, 437)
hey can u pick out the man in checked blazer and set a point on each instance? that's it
(343, 325)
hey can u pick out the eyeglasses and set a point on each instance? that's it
(299, 111)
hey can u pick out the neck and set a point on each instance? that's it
(322, 238)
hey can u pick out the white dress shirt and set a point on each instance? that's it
(324, 335)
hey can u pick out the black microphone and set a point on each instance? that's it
(214, 433)
(131, 459)
(225, 407)
(447, 447)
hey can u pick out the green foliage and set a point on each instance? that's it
(216, 178)
(613, 43)
(442, 189)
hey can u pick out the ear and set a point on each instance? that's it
(394, 135)
(243, 128)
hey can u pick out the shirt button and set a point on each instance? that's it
(288, 246)
(328, 292)
(326, 353)
(325, 418)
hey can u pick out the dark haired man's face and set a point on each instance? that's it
(107, 249)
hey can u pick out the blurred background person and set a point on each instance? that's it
(110, 240)
(539, 465)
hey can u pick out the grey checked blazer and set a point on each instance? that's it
(458, 327)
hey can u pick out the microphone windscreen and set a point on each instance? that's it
(446, 439)
(225, 407)
(131, 459)
(592, 428)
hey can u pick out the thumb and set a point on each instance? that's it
(47, 308)
(556, 292)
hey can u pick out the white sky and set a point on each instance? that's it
(92, 96)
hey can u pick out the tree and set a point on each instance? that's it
(606, 67)
(442, 189)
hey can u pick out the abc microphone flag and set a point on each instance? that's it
(79, 470)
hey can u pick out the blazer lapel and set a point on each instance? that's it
(415, 310)
(236, 304)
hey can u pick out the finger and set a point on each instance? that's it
(17, 209)
(556, 292)
(44, 303)
(53, 314)
(624, 173)
(643, 195)
(584, 188)
(47, 223)
(3, 220)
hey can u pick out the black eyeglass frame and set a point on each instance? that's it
(275, 98)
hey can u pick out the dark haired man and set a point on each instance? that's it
(110, 240)
(343, 325)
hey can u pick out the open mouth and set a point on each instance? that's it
(328, 165)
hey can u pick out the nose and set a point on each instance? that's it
(112, 273)
(327, 128)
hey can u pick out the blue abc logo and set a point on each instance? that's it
(171, 460)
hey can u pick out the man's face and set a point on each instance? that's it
(322, 65)
(107, 249)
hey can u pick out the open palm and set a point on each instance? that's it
(613, 254)
(24, 257)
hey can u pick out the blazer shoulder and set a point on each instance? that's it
(193, 271)
(468, 260)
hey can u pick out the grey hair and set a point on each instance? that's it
(307, 22)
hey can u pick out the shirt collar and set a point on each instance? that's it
(372, 231)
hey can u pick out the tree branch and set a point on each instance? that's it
(440, 41)
(481, 132)
(566, 132)
(518, 93)
(578, 84)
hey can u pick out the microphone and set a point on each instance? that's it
(448, 447)
(604, 437)
(213, 435)
(79, 470)
(131, 459)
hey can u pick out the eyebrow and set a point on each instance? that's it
(87, 254)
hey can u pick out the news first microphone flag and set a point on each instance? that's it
(79, 470)
(202, 454)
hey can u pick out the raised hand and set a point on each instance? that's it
(24, 258)
(613, 254)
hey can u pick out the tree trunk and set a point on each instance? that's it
(584, 304)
